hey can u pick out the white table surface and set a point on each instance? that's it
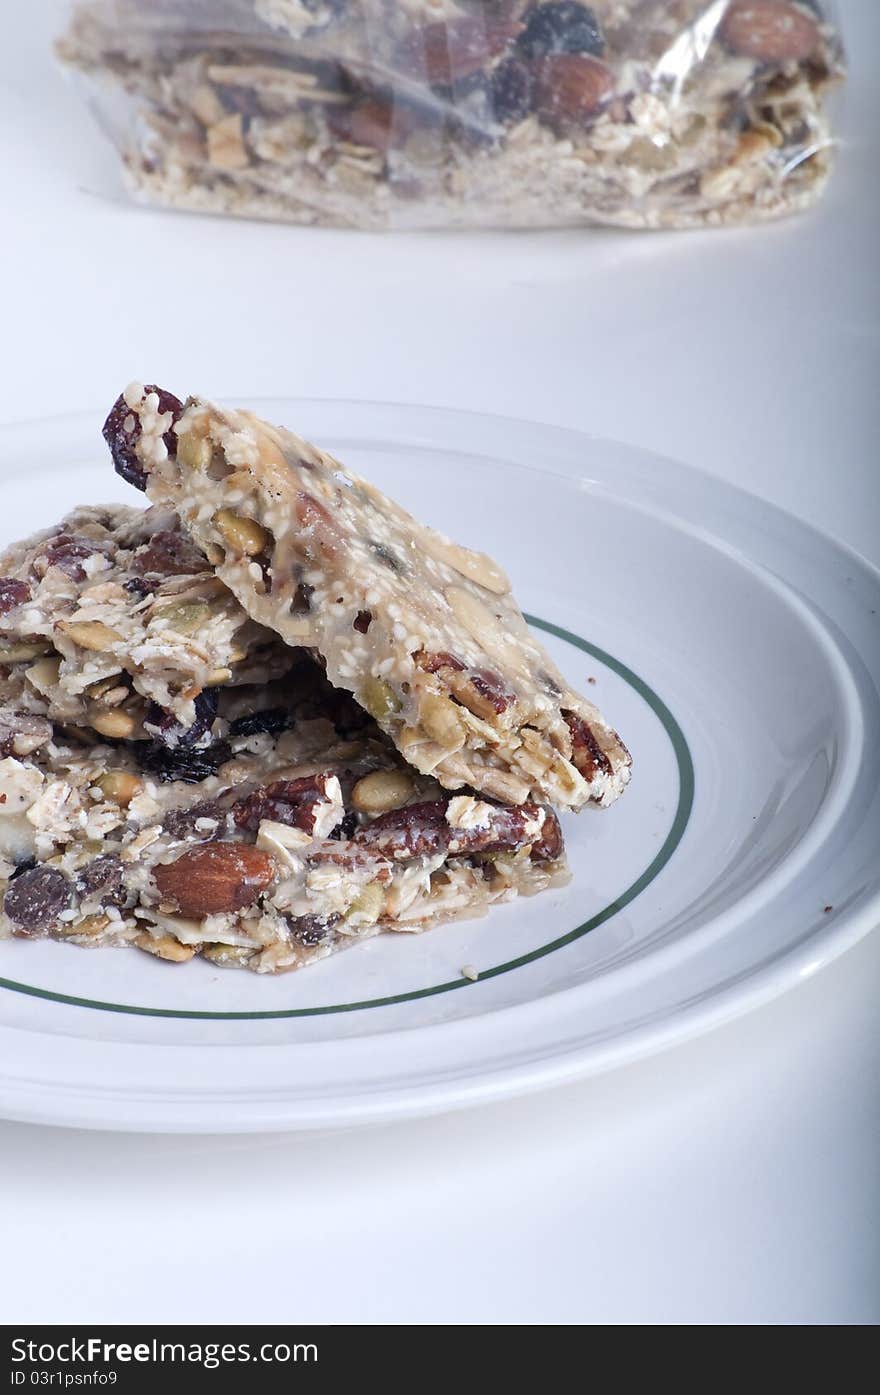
(731, 1179)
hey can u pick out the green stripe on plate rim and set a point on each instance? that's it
(671, 842)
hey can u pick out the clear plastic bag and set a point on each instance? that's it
(452, 113)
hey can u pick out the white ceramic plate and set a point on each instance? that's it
(737, 652)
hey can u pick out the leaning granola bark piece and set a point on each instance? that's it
(426, 634)
(296, 833)
(114, 620)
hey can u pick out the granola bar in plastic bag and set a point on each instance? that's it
(454, 113)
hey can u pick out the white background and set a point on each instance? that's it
(734, 1179)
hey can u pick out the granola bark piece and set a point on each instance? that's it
(425, 633)
(269, 860)
(114, 620)
(629, 113)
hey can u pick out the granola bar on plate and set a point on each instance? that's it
(288, 830)
(425, 633)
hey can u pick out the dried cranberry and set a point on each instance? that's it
(273, 722)
(511, 89)
(101, 880)
(35, 900)
(168, 553)
(562, 26)
(12, 593)
(122, 431)
(170, 732)
(187, 763)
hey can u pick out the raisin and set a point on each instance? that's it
(586, 754)
(273, 722)
(122, 431)
(24, 866)
(291, 802)
(136, 586)
(168, 553)
(187, 763)
(169, 731)
(362, 621)
(308, 930)
(101, 880)
(181, 823)
(36, 898)
(511, 89)
(12, 593)
(563, 26)
(345, 830)
(302, 599)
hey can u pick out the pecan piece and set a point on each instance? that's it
(448, 53)
(12, 593)
(420, 829)
(433, 663)
(320, 532)
(770, 31)
(215, 878)
(67, 552)
(586, 754)
(571, 86)
(168, 554)
(373, 121)
(21, 733)
(296, 803)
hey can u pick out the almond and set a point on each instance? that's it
(771, 31)
(448, 53)
(571, 86)
(214, 878)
